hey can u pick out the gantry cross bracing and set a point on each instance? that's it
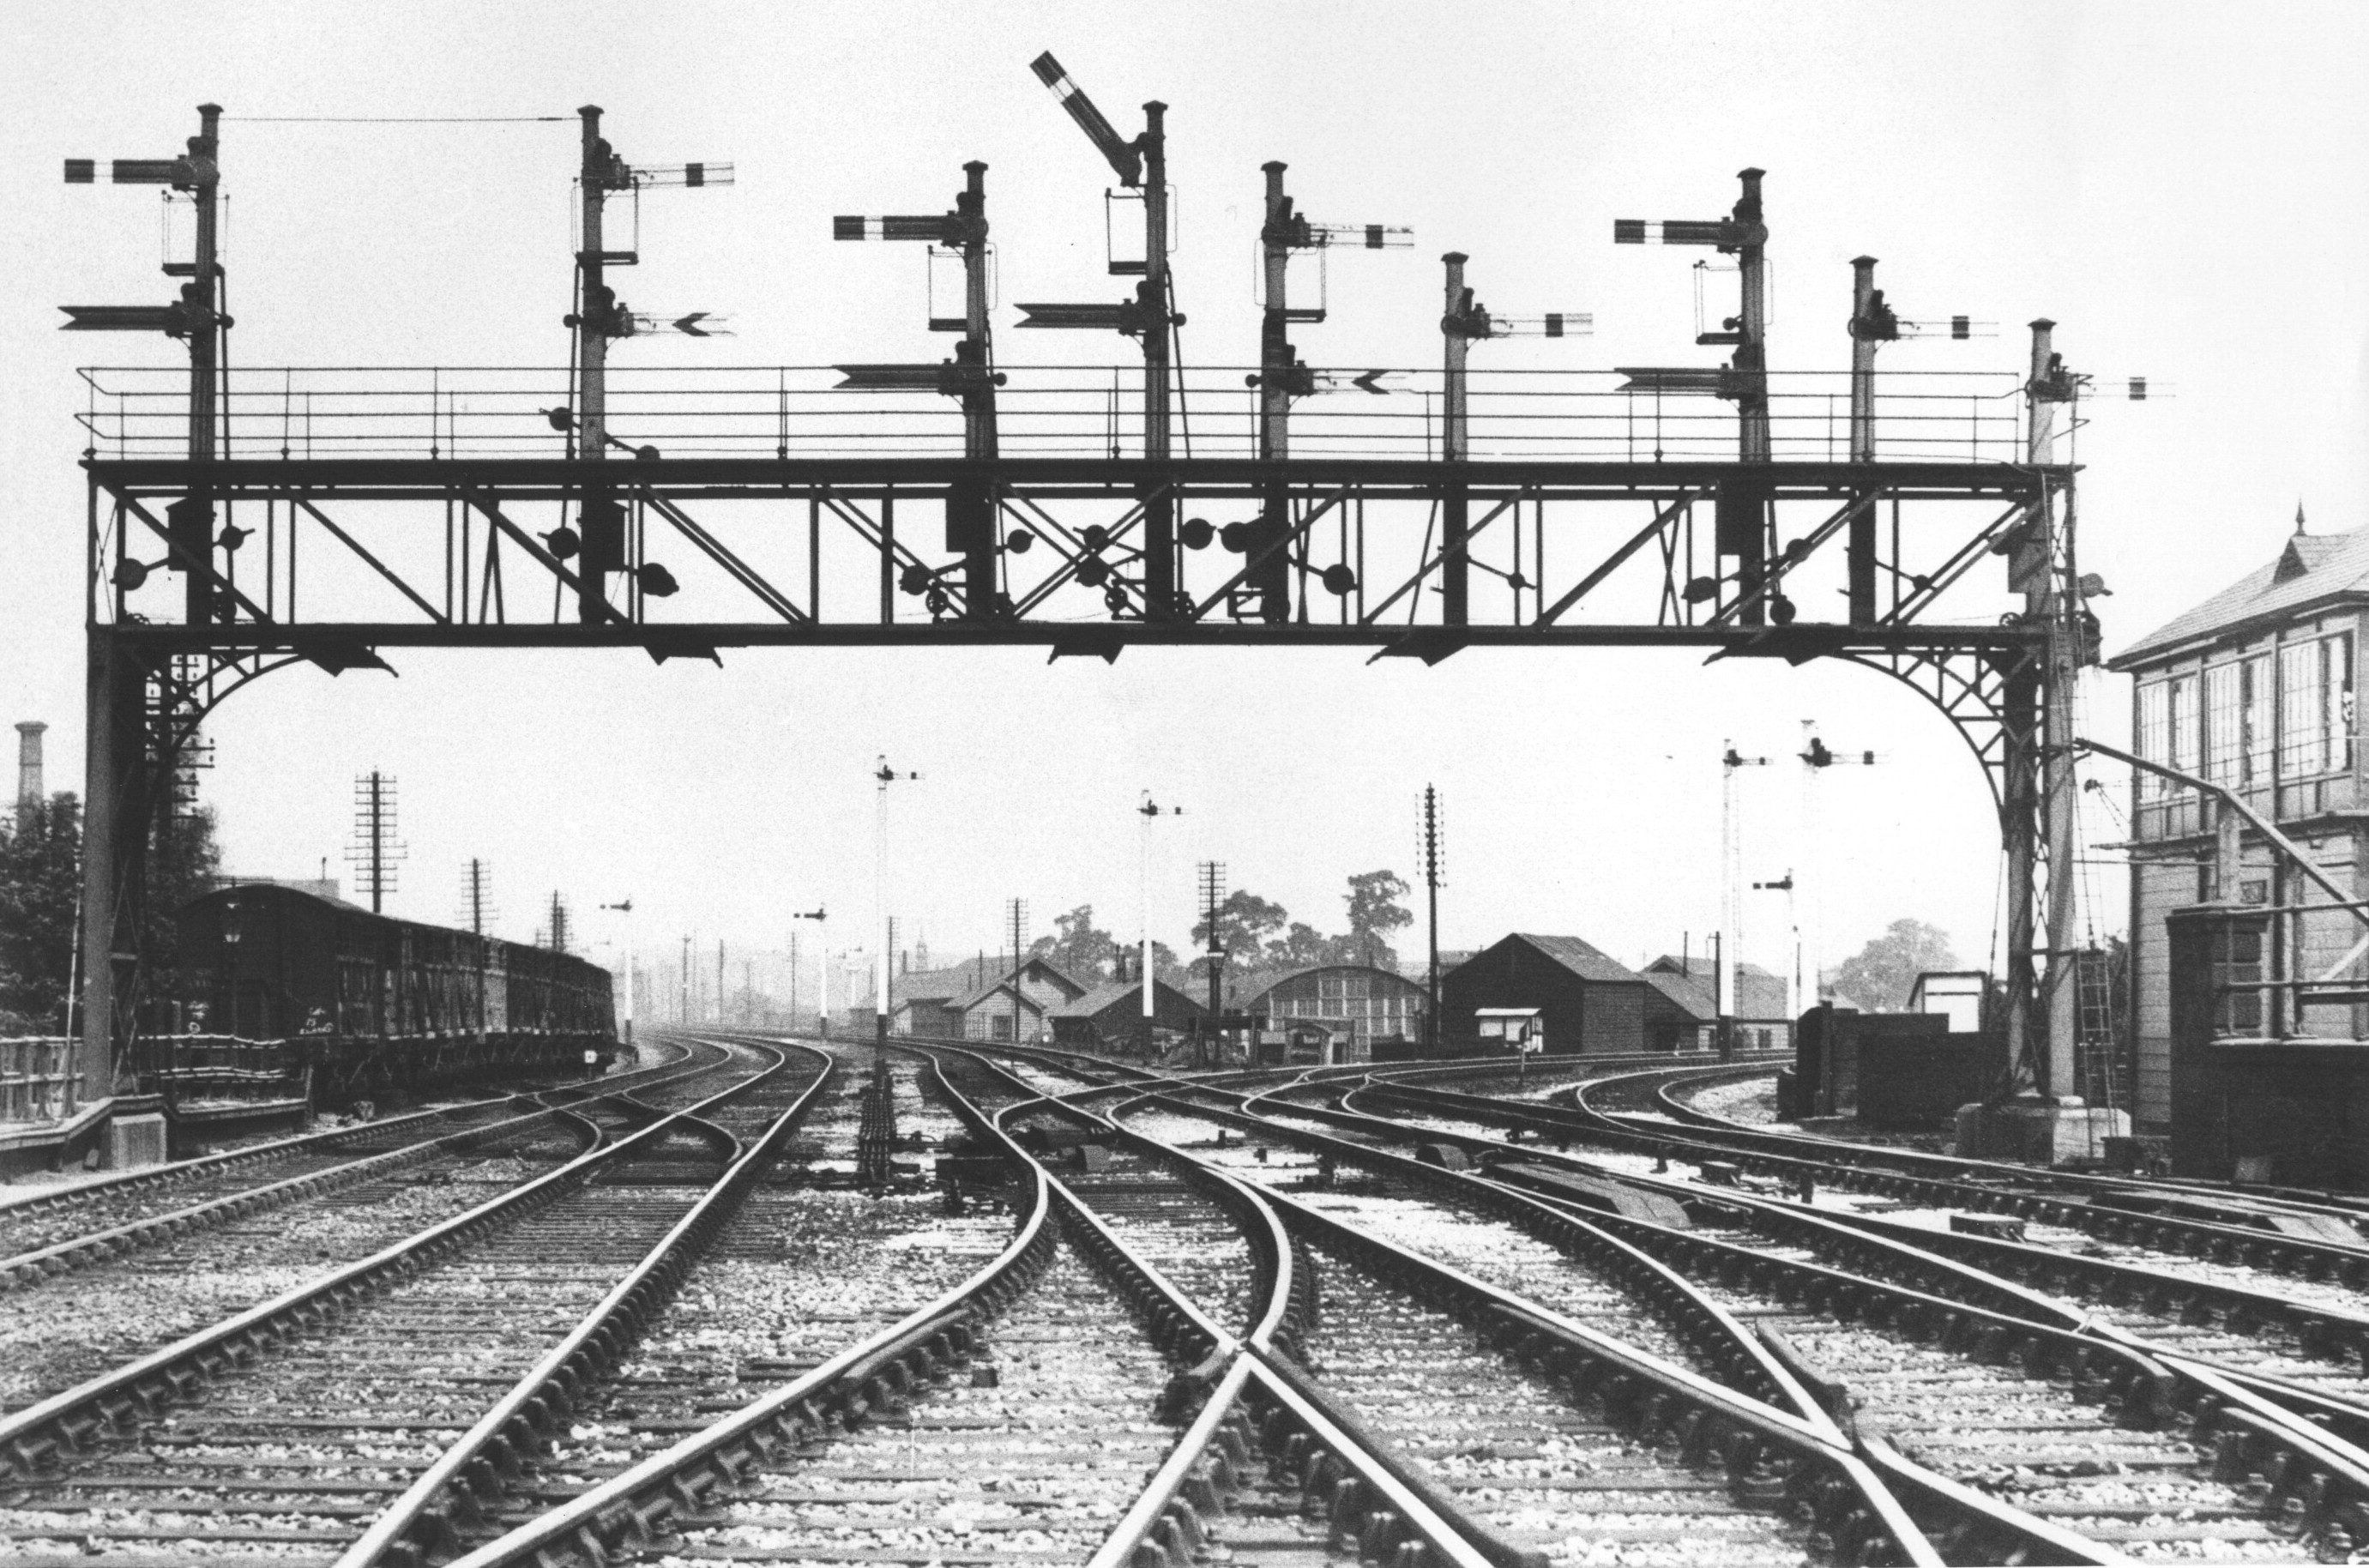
(244, 520)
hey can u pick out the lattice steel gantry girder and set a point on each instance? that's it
(344, 538)
(332, 517)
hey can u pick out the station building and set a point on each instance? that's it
(2253, 690)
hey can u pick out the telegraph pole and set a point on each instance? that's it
(475, 890)
(1018, 910)
(1431, 878)
(376, 849)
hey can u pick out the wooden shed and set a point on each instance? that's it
(1588, 1003)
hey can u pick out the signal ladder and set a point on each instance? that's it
(2105, 1077)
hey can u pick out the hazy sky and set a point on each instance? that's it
(2177, 185)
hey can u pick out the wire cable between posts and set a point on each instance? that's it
(401, 118)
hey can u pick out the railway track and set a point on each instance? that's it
(45, 1234)
(806, 1263)
(2254, 1323)
(2223, 1467)
(2287, 1237)
(1231, 1318)
(1523, 1457)
(2092, 1437)
(1012, 1419)
(359, 1412)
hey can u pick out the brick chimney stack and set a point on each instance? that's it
(29, 794)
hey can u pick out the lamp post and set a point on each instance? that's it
(883, 775)
(626, 908)
(1147, 810)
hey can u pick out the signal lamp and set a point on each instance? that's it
(1235, 536)
(656, 580)
(1196, 534)
(232, 537)
(1780, 609)
(561, 541)
(1340, 579)
(1094, 536)
(562, 419)
(1700, 589)
(1093, 572)
(130, 574)
(916, 578)
(1018, 541)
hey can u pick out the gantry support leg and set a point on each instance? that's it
(2060, 806)
(2019, 830)
(116, 810)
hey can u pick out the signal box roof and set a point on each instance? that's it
(2314, 570)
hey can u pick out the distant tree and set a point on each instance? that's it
(1244, 923)
(1079, 949)
(1374, 913)
(1301, 946)
(1880, 973)
(40, 876)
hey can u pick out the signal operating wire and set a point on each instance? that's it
(401, 118)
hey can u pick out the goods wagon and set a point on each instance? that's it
(373, 1004)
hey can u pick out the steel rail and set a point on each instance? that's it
(1903, 1171)
(419, 1525)
(1950, 1512)
(1741, 1359)
(2223, 1203)
(276, 1148)
(1750, 1437)
(2325, 1330)
(634, 1507)
(67, 1422)
(31, 1267)
(1390, 1504)
(2318, 1470)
